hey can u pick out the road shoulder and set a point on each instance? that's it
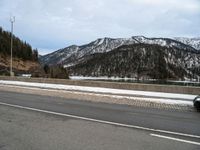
(95, 97)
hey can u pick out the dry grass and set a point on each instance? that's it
(18, 64)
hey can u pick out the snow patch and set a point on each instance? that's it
(159, 97)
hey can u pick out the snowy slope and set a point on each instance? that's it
(194, 42)
(167, 42)
(73, 55)
(70, 55)
(142, 61)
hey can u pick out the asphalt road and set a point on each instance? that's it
(114, 126)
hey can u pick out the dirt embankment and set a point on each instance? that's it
(19, 65)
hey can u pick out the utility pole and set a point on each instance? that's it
(12, 20)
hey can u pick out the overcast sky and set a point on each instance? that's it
(53, 24)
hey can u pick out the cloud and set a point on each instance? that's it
(50, 24)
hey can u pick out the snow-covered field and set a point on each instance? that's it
(159, 97)
(187, 81)
(99, 78)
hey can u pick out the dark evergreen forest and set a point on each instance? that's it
(21, 49)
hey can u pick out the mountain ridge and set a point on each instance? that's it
(138, 57)
(71, 55)
(141, 61)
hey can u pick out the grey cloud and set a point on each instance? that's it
(50, 24)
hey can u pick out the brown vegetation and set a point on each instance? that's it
(19, 66)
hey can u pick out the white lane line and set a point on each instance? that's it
(100, 121)
(175, 139)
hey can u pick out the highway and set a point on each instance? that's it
(43, 122)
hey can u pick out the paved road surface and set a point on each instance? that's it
(25, 129)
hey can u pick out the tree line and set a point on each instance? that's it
(57, 71)
(21, 49)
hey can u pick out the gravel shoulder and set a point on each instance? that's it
(95, 97)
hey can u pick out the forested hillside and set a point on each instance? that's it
(20, 49)
(74, 54)
(25, 59)
(142, 61)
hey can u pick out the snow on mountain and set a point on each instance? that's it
(167, 42)
(142, 61)
(59, 56)
(74, 54)
(194, 42)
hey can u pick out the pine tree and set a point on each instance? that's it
(20, 49)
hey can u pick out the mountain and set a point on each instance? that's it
(165, 42)
(142, 61)
(74, 54)
(137, 56)
(193, 42)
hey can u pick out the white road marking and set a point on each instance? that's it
(175, 139)
(100, 121)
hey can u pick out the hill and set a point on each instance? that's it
(25, 59)
(142, 61)
(74, 54)
(138, 56)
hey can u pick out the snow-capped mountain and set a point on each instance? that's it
(142, 61)
(74, 54)
(70, 55)
(165, 42)
(193, 42)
